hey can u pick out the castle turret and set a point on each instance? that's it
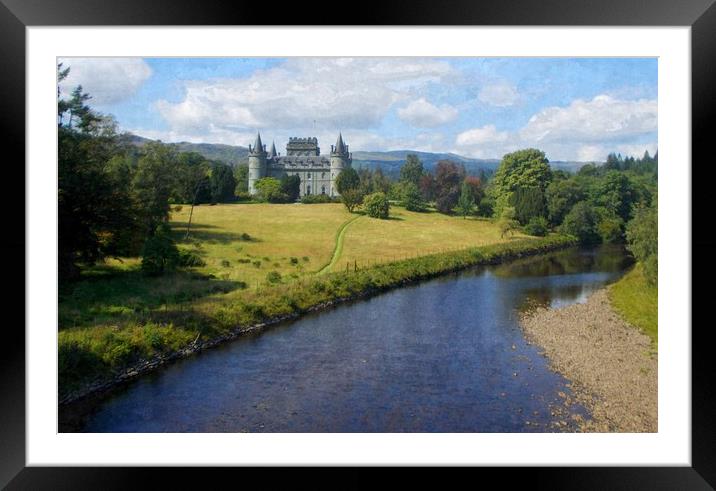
(340, 159)
(257, 163)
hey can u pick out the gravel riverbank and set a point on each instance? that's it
(610, 363)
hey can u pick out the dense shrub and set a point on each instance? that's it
(411, 198)
(377, 205)
(311, 199)
(160, 254)
(537, 226)
(642, 234)
(581, 222)
(273, 277)
(190, 259)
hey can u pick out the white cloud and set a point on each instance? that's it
(302, 94)
(107, 80)
(422, 114)
(604, 118)
(480, 136)
(500, 95)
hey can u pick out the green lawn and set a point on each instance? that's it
(409, 234)
(637, 301)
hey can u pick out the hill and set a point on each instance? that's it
(389, 162)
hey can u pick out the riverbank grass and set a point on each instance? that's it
(637, 301)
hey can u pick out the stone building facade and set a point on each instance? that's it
(303, 158)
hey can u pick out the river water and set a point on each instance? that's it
(446, 355)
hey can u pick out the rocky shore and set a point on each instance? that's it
(611, 364)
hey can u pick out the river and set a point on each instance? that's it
(446, 355)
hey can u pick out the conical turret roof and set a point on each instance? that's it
(340, 146)
(272, 152)
(258, 145)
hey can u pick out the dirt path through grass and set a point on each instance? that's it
(339, 246)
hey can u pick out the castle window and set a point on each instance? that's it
(323, 189)
(308, 190)
(309, 175)
(323, 175)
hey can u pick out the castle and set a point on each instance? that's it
(303, 158)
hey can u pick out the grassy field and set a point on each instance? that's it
(637, 301)
(115, 316)
(409, 234)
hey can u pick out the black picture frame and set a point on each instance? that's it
(700, 15)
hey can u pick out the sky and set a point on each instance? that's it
(575, 109)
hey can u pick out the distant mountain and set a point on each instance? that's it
(389, 162)
(229, 154)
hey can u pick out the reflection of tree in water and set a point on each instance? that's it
(608, 258)
(543, 297)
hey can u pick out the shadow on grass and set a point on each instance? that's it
(204, 233)
(126, 295)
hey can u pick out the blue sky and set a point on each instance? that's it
(573, 108)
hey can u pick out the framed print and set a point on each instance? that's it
(420, 238)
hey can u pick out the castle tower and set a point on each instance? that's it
(257, 163)
(340, 159)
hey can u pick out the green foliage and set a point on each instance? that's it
(448, 178)
(190, 259)
(411, 198)
(269, 190)
(352, 198)
(153, 184)
(617, 193)
(291, 187)
(412, 170)
(160, 254)
(528, 168)
(636, 299)
(581, 222)
(377, 205)
(642, 234)
(537, 226)
(561, 195)
(273, 277)
(241, 174)
(507, 222)
(528, 203)
(466, 203)
(316, 198)
(610, 227)
(347, 179)
(222, 183)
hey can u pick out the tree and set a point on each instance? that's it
(352, 198)
(475, 185)
(347, 179)
(412, 170)
(241, 174)
(379, 182)
(95, 210)
(466, 203)
(507, 222)
(561, 196)
(153, 183)
(617, 193)
(526, 168)
(411, 198)
(377, 205)
(269, 190)
(581, 222)
(642, 234)
(537, 226)
(528, 203)
(222, 183)
(448, 177)
(160, 254)
(427, 187)
(291, 187)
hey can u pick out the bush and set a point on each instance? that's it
(411, 198)
(316, 198)
(610, 229)
(159, 253)
(190, 259)
(273, 277)
(581, 222)
(377, 205)
(537, 226)
(225, 263)
(642, 235)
